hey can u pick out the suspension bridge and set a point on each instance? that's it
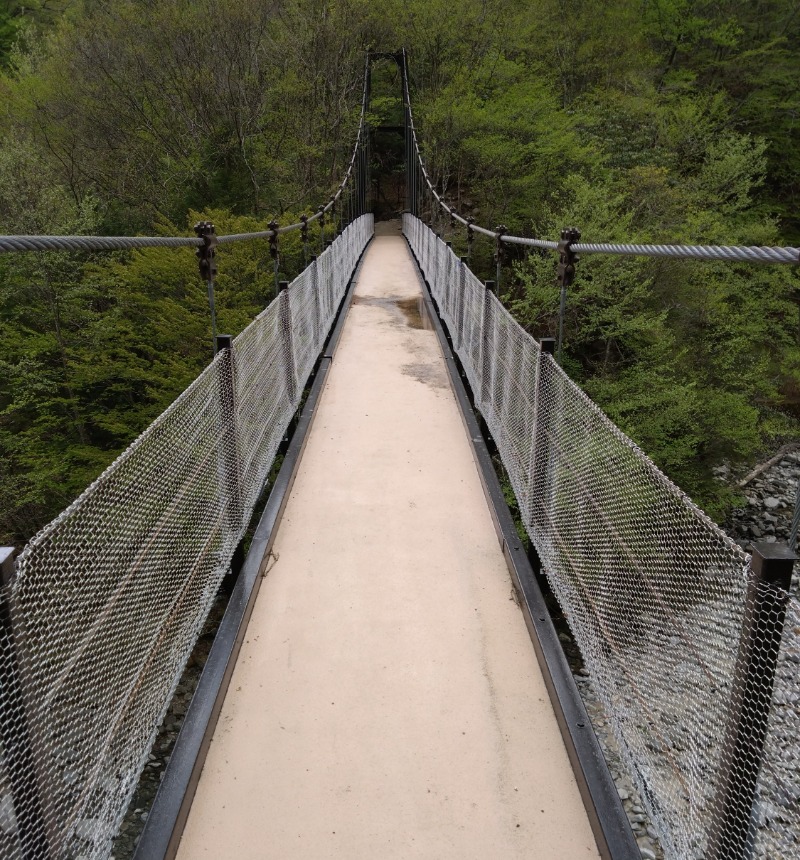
(387, 680)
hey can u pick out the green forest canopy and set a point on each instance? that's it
(636, 120)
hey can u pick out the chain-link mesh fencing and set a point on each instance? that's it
(678, 636)
(776, 814)
(108, 600)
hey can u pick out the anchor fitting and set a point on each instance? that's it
(207, 252)
(567, 258)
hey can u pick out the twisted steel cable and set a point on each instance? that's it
(93, 243)
(750, 254)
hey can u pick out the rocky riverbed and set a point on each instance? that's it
(769, 504)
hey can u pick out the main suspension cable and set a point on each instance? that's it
(744, 253)
(10, 244)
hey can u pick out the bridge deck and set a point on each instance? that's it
(387, 701)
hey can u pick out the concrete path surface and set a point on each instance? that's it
(387, 702)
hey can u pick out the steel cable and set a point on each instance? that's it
(747, 254)
(10, 244)
(93, 243)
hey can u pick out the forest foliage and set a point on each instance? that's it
(635, 120)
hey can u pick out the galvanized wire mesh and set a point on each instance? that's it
(108, 599)
(661, 602)
(776, 816)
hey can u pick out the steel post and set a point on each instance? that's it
(547, 346)
(487, 347)
(273, 252)
(566, 275)
(498, 253)
(287, 341)
(19, 760)
(230, 459)
(460, 303)
(321, 211)
(206, 257)
(317, 304)
(304, 237)
(751, 700)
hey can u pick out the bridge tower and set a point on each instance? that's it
(389, 137)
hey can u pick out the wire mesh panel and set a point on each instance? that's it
(654, 593)
(679, 639)
(306, 332)
(511, 386)
(106, 605)
(776, 816)
(108, 599)
(263, 406)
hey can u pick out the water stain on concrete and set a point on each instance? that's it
(415, 313)
(426, 373)
(410, 312)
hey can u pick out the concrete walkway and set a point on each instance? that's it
(387, 702)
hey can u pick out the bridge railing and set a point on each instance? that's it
(101, 615)
(678, 627)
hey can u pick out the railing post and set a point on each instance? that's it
(566, 275)
(273, 252)
(462, 285)
(498, 252)
(230, 460)
(470, 238)
(547, 346)
(321, 211)
(751, 699)
(304, 237)
(363, 171)
(487, 347)
(317, 305)
(795, 527)
(332, 201)
(19, 762)
(447, 303)
(206, 256)
(287, 341)
(407, 140)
